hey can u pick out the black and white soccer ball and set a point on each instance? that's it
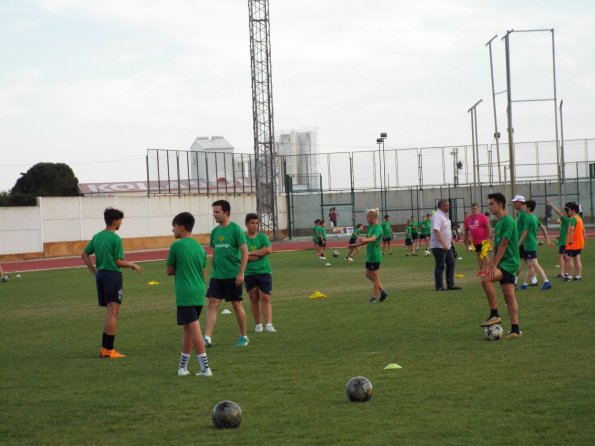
(494, 332)
(227, 414)
(359, 389)
(335, 253)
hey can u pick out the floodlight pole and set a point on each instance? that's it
(509, 114)
(379, 141)
(562, 161)
(383, 136)
(558, 150)
(496, 132)
(474, 144)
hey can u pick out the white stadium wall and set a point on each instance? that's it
(61, 225)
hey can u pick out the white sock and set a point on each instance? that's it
(203, 361)
(184, 357)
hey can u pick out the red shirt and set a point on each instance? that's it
(478, 227)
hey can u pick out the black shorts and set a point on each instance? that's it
(187, 315)
(386, 239)
(408, 242)
(423, 236)
(561, 249)
(109, 287)
(372, 266)
(573, 252)
(528, 255)
(264, 282)
(352, 240)
(521, 251)
(507, 278)
(414, 235)
(321, 243)
(478, 247)
(225, 289)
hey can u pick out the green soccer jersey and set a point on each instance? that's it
(507, 229)
(521, 219)
(414, 227)
(564, 220)
(427, 227)
(226, 242)
(322, 232)
(188, 258)
(387, 229)
(356, 232)
(263, 264)
(373, 251)
(407, 233)
(316, 234)
(532, 223)
(107, 247)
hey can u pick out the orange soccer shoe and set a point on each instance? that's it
(110, 354)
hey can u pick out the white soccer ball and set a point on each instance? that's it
(494, 332)
(426, 253)
(335, 253)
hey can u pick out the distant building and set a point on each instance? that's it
(211, 159)
(300, 149)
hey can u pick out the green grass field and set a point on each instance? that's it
(454, 388)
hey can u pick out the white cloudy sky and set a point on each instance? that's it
(94, 83)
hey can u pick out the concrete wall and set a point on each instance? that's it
(61, 226)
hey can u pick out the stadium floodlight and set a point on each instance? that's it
(383, 136)
(496, 132)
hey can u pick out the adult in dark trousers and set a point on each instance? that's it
(441, 246)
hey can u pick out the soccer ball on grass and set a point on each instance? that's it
(359, 389)
(335, 253)
(426, 253)
(494, 332)
(227, 414)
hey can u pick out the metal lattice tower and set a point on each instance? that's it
(262, 115)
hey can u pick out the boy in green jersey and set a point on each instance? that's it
(520, 205)
(503, 267)
(259, 281)
(414, 225)
(373, 255)
(230, 256)
(187, 263)
(426, 230)
(528, 239)
(564, 220)
(319, 238)
(409, 242)
(387, 235)
(109, 258)
(353, 251)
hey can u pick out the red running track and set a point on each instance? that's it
(141, 256)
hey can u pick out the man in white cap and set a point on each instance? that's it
(520, 206)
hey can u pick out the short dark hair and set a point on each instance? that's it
(184, 219)
(111, 214)
(531, 204)
(574, 207)
(498, 198)
(225, 206)
(251, 216)
(359, 224)
(387, 216)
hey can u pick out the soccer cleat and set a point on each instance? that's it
(413, 254)
(513, 335)
(383, 296)
(454, 288)
(350, 259)
(567, 279)
(270, 329)
(110, 354)
(205, 372)
(524, 287)
(207, 340)
(407, 255)
(258, 328)
(546, 286)
(491, 321)
(534, 284)
(559, 276)
(372, 300)
(577, 278)
(183, 372)
(243, 341)
(322, 258)
(390, 253)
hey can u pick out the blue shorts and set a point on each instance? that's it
(264, 282)
(573, 252)
(372, 266)
(109, 287)
(561, 249)
(507, 278)
(187, 315)
(225, 289)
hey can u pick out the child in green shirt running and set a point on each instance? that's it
(259, 281)
(354, 250)
(387, 235)
(187, 263)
